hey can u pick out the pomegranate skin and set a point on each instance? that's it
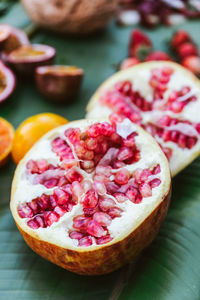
(108, 258)
(58, 86)
(100, 259)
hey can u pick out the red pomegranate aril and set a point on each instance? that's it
(122, 176)
(62, 196)
(157, 170)
(51, 183)
(118, 164)
(25, 211)
(112, 187)
(182, 141)
(132, 194)
(155, 182)
(142, 175)
(77, 190)
(120, 197)
(90, 199)
(95, 229)
(191, 141)
(88, 212)
(102, 218)
(53, 201)
(106, 203)
(99, 187)
(91, 143)
(85, 242)
(33, 224)
(80, 222)
(60, 211)
(76, 235)
(73, 175)
(33, 206)
(94, 130)
(145, 190)
(32, 166)
(40, 221)
(115, 212)
(104, 239)
(73, 134)
(105, 171)
(50, 218)
(43, 202)
(124, 153)
(42, 165)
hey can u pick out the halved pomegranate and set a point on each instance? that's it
(59, 83)
(7, 82)
(26, 58)
(4, 34)
(89, 196)
(163, 98)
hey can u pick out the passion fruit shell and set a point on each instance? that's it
(130, 232)
(26, 58)
(7, 82)
(4, 35)
(74, 17)
(59, 83)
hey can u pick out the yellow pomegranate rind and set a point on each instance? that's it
(100, 259)
(30, 130)
(6, 140)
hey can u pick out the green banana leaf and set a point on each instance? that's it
(170, 268)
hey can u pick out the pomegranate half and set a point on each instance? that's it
(90, 196)
(163, 98)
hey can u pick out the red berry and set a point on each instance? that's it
(192, 63)
(129, 62)
(179, 38)
(138, 40)
(158, 55)
(187, 49)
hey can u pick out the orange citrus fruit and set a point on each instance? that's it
(6, 140)
(30, 130)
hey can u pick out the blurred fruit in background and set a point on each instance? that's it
(75, 16)
(31, 130)
(6, 140)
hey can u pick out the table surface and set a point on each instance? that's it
(170, 267)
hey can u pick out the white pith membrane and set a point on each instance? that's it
(139, 76)
(25, 187)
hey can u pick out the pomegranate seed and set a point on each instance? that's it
(94, 130)
(33, 205)
(60, 211)
(120, 197)
(90, 211)
(76, 235)
(155, 182)
(50, 218)
(32, 166)
(85, 242)
(40, 221)
(62, 196)
(122, 176)
(33, 224)
(50, 183)
(104, 239)
(73, 175)
(145, 190)
(106, 203)
(99, 187)
(25, 211)
(77, 190)
(53, 201)
(95, 229)
(124, 153)
(104, 170)
(90, 199)
(43, 202)
(112, 187)
(42, 165)
(156, 170)
(102, 218)
(182, 141)
(73, 134)
(132, 194)
(80, 222)
(115, 212)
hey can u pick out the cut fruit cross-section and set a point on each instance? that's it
(163, 98)
(89, 196)
(6, 139)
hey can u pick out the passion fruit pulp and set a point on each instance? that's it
(59, 83)
(4, 35)
(27, 57)
(7, 82)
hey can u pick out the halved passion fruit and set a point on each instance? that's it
(4, 34)
(26, 58)
(7, 82)
(59, 83)
(89, 196)
(6, 139)
(162, 97)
